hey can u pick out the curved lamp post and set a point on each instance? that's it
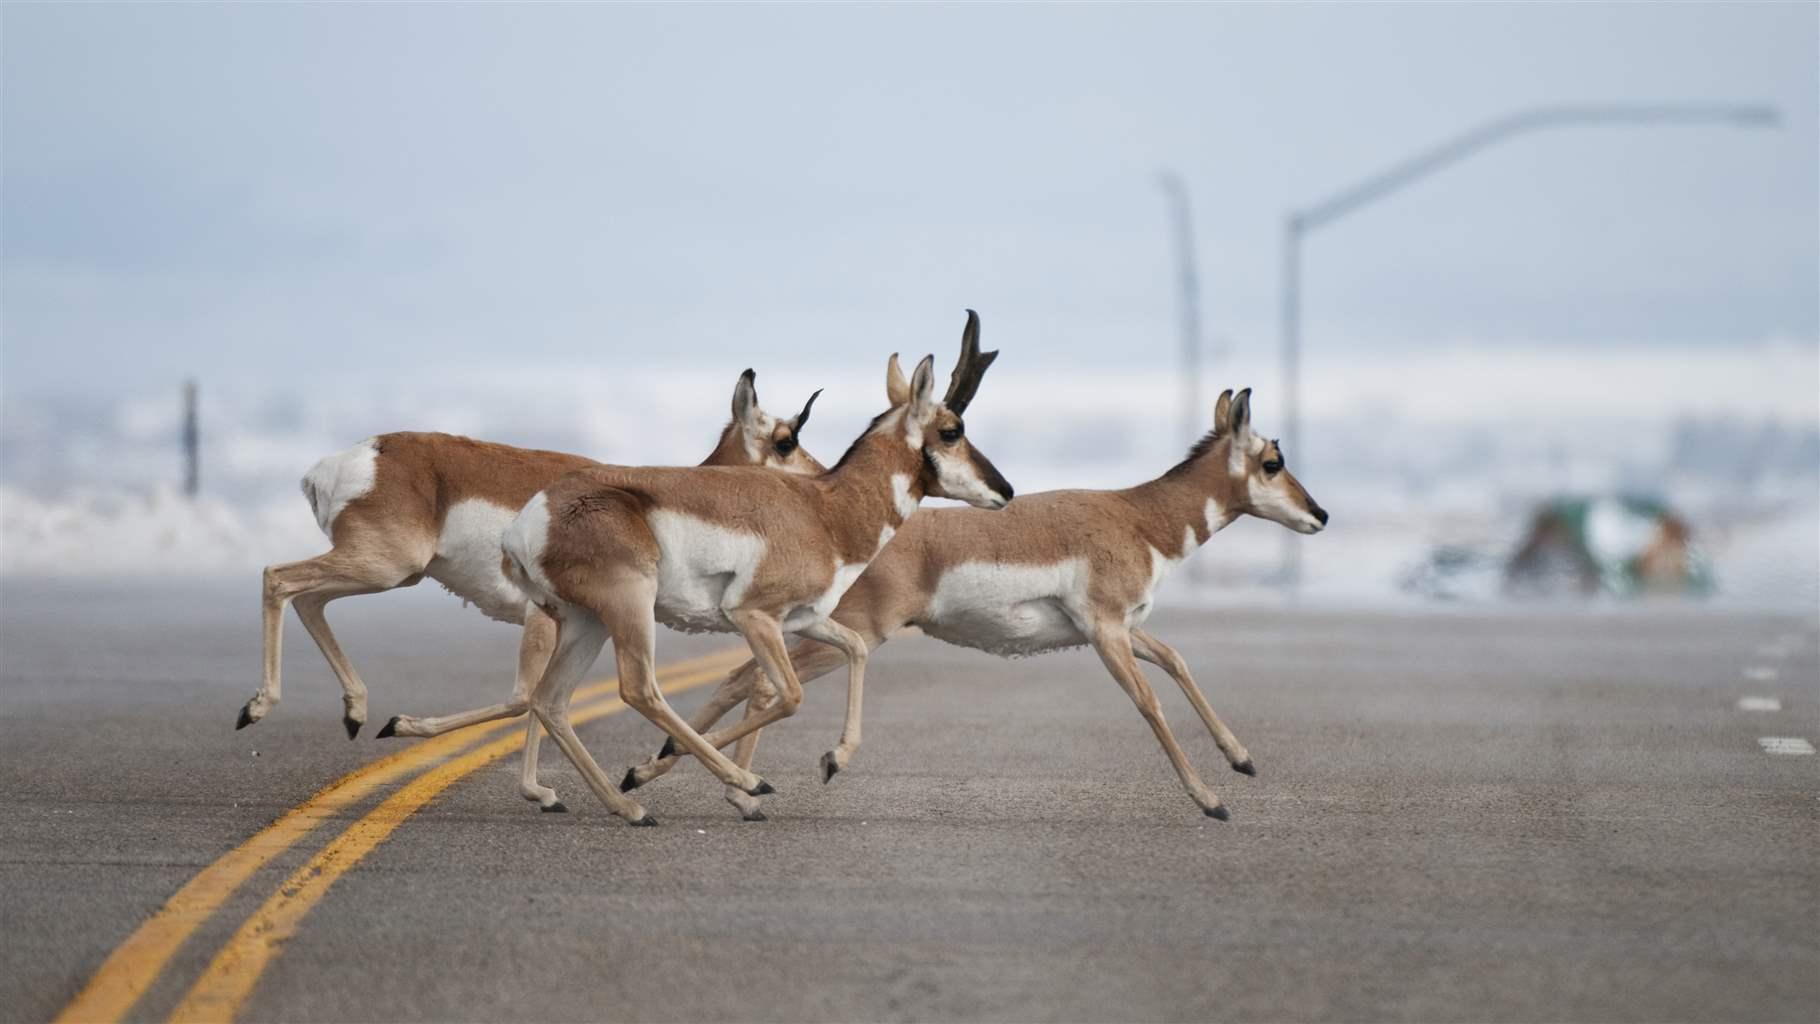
(1300, 222)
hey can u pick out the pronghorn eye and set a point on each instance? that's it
(786, 446)
(1273, 466)
(950, 434)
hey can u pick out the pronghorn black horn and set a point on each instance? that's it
(802, 418)
(965, 380)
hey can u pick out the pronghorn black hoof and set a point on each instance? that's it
(556, 808)
(754, 815)
(645, 822)
(829, 767)
(386, 731)
(762, 789)
(669, 749)
(246, 719)
(1245, 767)
(353, 727)
(1219, 812)
(630, 782)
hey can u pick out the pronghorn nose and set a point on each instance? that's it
(1320, 513)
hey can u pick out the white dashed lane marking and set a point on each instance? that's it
(1785, 745)
(1759, 704)
(1760, 673)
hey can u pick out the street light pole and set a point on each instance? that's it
(1188, 301)
(1298, 223)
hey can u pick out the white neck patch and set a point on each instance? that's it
(900, 495)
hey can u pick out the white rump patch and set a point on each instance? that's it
(338, 479)
(703, 569)
(1009, 610)
(468, 554)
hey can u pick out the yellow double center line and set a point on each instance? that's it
(128, 972)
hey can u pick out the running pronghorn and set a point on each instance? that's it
(611, 552)
(1054, 570)
(399, 507)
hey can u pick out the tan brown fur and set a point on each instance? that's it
(1118, 536)
(388, 536)
(606, 551)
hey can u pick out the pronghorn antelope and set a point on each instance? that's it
(610, 552)
(399, 507)
(1054, 570)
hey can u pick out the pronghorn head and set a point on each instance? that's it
(1263, 485)
(952, 467)
(767, 440)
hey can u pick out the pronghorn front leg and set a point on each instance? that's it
(852, 645)
(733, 689)
(1165, 657)
(628, 609)
(1113, 642)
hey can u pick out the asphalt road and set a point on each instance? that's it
(1490, 816)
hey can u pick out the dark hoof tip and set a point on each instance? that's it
(556, 808)
(669, 749)
(1245, 767)
(386, 731)
(755, 816)
(829, 767)
(645, 822)
(1219, 812)
(630, 782)
(246, 719)
(762, 789)
(353, 727)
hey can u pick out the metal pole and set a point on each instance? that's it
(1188, 301)
(1291, 349)
(1427, 162)
(192, 442)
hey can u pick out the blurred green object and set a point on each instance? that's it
(1624, 545)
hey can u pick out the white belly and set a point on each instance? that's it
(467, 559)
(702, 571)
(1009, 610)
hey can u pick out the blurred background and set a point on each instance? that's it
(1580, 361)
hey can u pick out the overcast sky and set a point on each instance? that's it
(279, 193)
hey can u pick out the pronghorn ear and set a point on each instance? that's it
(897, 389)
(1240, 416)
(1238, 420)
(1222, 412)
(745, 399)
(922, 390)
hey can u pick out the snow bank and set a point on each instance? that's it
(155, 532)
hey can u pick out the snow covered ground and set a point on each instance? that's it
(1445, 452)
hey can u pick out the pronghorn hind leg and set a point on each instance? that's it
(579, 638)
(310, 608)
(1165, 657)
(624, 601)
(1113, 642)
(535, 648)
(337, 573)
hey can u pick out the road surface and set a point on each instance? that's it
(1495, 815)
